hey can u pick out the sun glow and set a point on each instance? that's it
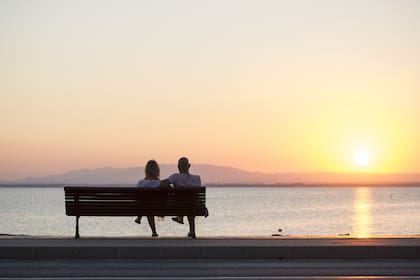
(362, 159)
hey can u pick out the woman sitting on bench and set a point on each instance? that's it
(151, 180)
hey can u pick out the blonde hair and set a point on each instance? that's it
(152, 169)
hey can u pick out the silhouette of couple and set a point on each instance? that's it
(181, 179)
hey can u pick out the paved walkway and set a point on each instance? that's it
(407, 247)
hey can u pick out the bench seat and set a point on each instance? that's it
(119, 201)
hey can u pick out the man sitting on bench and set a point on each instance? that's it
(183, 179)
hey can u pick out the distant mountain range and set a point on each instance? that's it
(211, 174)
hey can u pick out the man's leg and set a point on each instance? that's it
(178, 219)
(191, 221)
(151, 220)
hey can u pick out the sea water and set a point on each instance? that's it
(234, 211)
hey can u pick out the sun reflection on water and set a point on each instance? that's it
(361, 215)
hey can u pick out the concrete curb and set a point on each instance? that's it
(254, 249)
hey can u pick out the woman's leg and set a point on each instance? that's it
(151, 220)
(138, 220)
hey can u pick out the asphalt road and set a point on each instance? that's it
(204, 270)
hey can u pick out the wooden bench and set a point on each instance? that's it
(116, 201)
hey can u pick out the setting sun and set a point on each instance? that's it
(362, 159)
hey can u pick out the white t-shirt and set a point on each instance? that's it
(185, 180)
(149, 183)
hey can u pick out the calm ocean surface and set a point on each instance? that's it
(248, 211)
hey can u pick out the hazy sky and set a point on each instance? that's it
(287, 86)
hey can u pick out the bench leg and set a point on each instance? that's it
(77, 227)
(191, 221)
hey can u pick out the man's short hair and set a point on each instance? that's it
(183, 163)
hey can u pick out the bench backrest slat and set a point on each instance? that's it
(105, 201)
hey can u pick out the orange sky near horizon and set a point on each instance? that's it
(272, 86)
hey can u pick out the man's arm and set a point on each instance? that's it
(165, 183)
(168, 181)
